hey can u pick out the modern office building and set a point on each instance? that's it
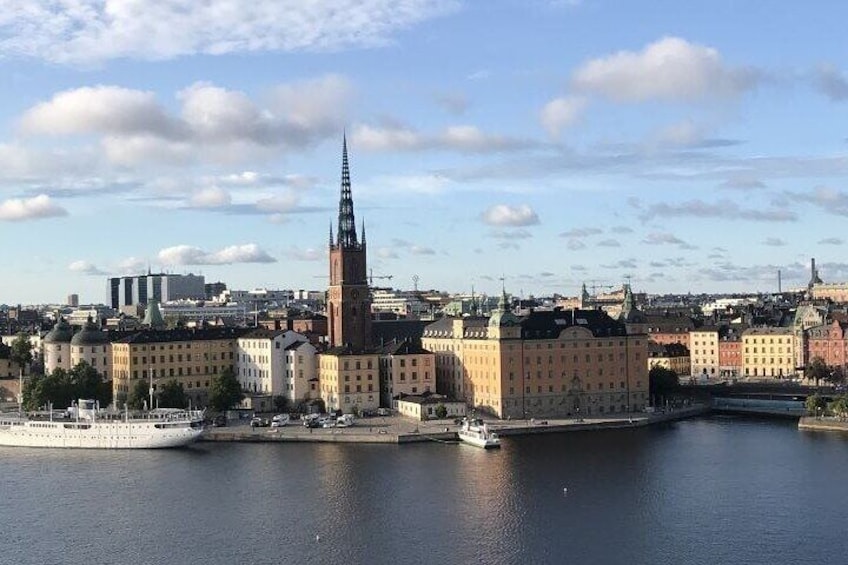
(162, 287)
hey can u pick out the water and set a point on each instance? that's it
(709, 491)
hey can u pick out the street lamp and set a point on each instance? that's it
(818, 412)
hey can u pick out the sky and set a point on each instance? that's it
(694, 146)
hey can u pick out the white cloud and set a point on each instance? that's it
(662, 239)
(463, 138)
(513, 216)
(308, 254)
(581, 232)
(212, 123)
(670, 69)
(133, 265)
(99, 109)
(420, 250)
(561, 113)
(774, 242)
(386, 253)
(90, 31)
(188, 255)
(38, 207)
(85, 268)
(212, 197)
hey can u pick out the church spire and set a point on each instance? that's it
(347, 223)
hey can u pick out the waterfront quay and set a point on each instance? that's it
(399, 430)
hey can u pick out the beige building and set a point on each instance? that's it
(190, 357)
(405, 369)
(423, 407)
(703, 352)
(672, 356)
(547, 364)
(349, 381)
(768, 353)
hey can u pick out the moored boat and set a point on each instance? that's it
(475, 432)
(85, 426)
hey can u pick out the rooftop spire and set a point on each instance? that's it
(347, 224)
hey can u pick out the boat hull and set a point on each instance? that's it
(476, 441)
(99, 435)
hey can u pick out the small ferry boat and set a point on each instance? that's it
(84, 425)
(475, 432)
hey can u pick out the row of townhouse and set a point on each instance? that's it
(267, 363)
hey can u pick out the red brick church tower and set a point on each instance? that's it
(349, 300)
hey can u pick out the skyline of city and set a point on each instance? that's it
(551, 143)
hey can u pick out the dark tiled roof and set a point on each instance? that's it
(157, 336)
(262, 333)
(548, 325)
(402, 348)
(384, 331)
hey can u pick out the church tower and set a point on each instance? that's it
(349, 300)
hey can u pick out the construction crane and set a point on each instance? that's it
(372, 276)
(596, 286)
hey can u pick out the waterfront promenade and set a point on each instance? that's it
(399, 430)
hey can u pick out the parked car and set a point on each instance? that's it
(258, 422)
(279, 420)
(219, 421)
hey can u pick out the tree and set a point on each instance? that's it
(225, 391)
(441, 412)
(837, 375)
(281, 403)
(817, 370)
(172, 395)
(815, 404)
(661, 381)
(61, 388)
(839, 407)
(21, 353)
(139, 394)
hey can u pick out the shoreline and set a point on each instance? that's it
(822, 424)
(395, 430)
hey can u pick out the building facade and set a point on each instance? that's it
(768, 353)
(704, 352)
(162, 287)
(547, 364)
(190, 357)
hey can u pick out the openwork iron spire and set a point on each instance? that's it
(347, 224)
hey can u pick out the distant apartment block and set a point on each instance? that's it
(138, 290)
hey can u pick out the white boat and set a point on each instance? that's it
(85, 426)
(475, 432)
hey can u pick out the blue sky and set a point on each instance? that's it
(692, 147)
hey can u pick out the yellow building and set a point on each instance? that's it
(768, 353)
(703, 347)
(405, 369)
(672, 356)
(349, 381)
(190, 357)
(546, 364)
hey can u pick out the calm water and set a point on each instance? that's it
(705, 491)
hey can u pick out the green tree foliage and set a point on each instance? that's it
(139, 394)
(61, 388)
(281, 403)
(661, 381)
(441, 412)
(225, 391)
(815, 404)
(837, 375)
(172, 395)
(21, 352)
(839, 407)
(817, 370)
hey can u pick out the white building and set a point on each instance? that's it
(403, 303)
(261, 364)
(301, 374)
